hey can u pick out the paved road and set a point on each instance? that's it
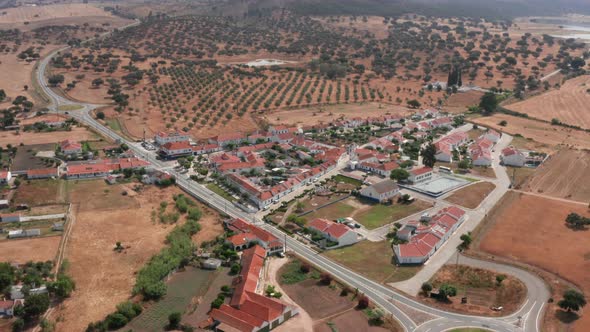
(380, 294)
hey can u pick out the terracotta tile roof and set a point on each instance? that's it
(40, 172)
(173, 146)
(3, 175)
(331, 228)
(70, 145)
(420, 171)
(235, 321)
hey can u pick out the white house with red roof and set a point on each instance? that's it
(69, 147)
(41, 173)
(5, 176)
(492, 135)
(382, 191)
(162, 138)
(173, 150)
(246, 234)
(334, 232)
(228, 138)
(444, 152)
(206, 149)
(424, 241)
(421, 174)
(511, 156)
(7, 307)
(383, 169)
(102, 167)
(249, 311)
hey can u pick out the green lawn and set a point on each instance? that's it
(379, 214)
(72, 107)
(373, 260)
(219, 191)
(114, 124)
(181, 289)
(346, 179)
(332, 212)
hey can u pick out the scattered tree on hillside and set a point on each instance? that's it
(577, 221)
(572, 300)
(488, 103)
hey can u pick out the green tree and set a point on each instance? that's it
(572, 300)
(6, 276)
(116, 321)
(100, 115)
(463, 164)
(399, 174)
(446, 290)
(2, 95)
(63, 286)
(174, 320)
(413, 103)
(428, 155)
(488, 102)
(466, 238)
(35, 305)
(18, 325)
(56, 80)
(577, 63)
(426, 288)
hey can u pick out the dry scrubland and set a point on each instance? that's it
(566, 174)
(471, 196)
(532, 230)
(569, 104)
(538, 131)
(104, 216)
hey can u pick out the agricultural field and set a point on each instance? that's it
(471, 196)
(481, 288)
(14, 17)
(362, 259)
(540, 132)
(182, 288)
(568, 104)
(566, 174)
(197, 82)
(104, 216)
(507, 233)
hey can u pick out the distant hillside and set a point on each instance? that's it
(497, 9)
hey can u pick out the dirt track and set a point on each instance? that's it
(569, 104)
(566, 175)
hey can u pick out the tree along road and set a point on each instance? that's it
(384, 296)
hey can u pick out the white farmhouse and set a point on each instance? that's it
(511, 156)
(382, 191)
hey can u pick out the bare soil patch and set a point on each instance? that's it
(326, 114)
(481, 289)
(538, 131)
(36, 250)
(531, 229)
(569, 104)
(30, 138)
(471, 196)
(565, 174)
(40, 192)
(458, 102)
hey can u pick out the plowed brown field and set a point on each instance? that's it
(569, 104)
(538, 131)
(532, 230)
(565, 174)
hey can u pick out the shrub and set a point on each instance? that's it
(305, 268)
(325, 278)
(363, 302)
(116, 321)
(344, 292)
(426, 288)
(174, 320)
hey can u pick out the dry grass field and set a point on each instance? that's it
(31, 138)
(565, 174)
(471, 196)
(104, 216)
(326, 114)
(538, 131)
(530, 229)
(19, 15)
(568, 104)
(21, 251)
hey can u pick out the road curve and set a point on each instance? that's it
(378, 293)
